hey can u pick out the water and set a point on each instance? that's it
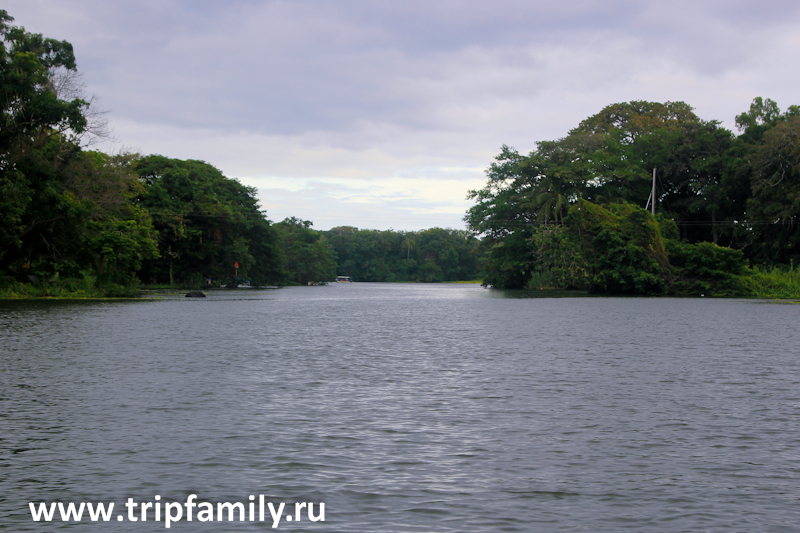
(407, 408)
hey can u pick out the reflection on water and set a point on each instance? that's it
(407, 407)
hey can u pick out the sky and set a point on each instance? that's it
(384, 114)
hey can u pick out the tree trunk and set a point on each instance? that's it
(714, 226)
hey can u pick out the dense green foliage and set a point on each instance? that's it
(67, 216)
(307, 255)
(566, 214)
(74, 221)
(429, 256)
(206, 223)
(623, 246)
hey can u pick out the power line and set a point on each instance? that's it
(744, 223)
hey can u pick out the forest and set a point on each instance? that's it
(571, 213)
(431, 255)
(576, 213)
(79, 222)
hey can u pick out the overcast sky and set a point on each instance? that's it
(382, 114)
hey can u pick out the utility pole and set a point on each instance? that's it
(653, 206)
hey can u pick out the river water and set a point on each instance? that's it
(406, 408)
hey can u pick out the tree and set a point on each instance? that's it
(763, 112)
(206, 222)
(408, 243)
(32, 122)
(624, 248)
(499, 207)
(608, 160)
(64, 212)
(775, 205)
(30, 109)
(371, 255)
(628, 121)
(308, 256)
(761, 182)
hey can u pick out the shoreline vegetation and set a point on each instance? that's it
(568, 216)
(775, 284)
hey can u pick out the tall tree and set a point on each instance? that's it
(32, 122)
(775, 206)
(64, 212)
(206, 222)
(408, 243)
(30, 108)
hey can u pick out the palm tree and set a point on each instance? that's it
(551, 197)
(555, 179)
(409, 244)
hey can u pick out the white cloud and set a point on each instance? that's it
(409, 204)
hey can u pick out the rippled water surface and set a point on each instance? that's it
(407, 408)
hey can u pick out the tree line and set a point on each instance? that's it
(431, 255)
(570, 214)
(74, 221)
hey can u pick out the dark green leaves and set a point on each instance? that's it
(206, 222)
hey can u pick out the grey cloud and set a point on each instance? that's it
(403, 91)
(293, 67)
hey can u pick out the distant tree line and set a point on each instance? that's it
(431, 255)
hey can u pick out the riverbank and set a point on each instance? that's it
(67, 290)
(766, 284)
(775, 284)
